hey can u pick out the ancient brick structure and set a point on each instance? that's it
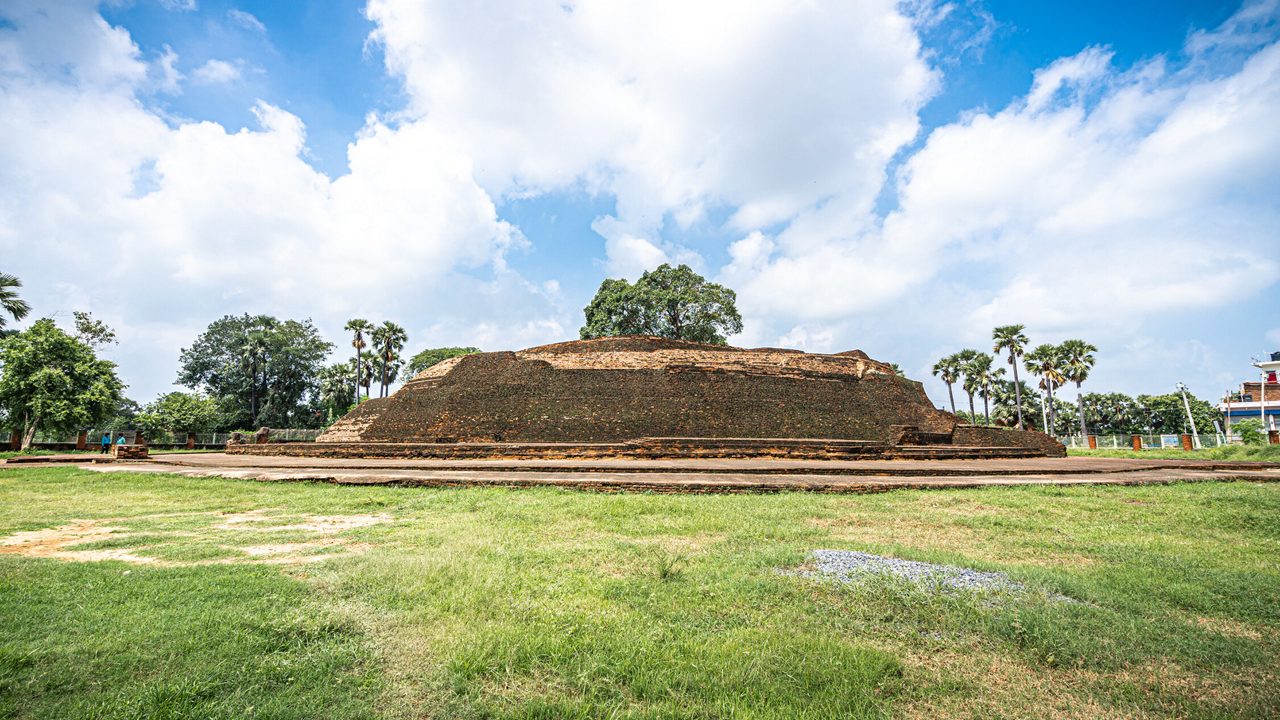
(652, 397)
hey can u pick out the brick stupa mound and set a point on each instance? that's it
(655, 397)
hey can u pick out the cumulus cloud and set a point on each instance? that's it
(768, 109)
(216, 72)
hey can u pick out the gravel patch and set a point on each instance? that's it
(849, 566)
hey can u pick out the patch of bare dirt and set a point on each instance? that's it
(64, 542)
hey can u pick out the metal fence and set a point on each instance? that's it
(1149, 442)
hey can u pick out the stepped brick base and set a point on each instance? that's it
(660, 448)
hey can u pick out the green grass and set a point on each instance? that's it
(494, 603)
(1266, 453)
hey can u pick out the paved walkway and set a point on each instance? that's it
(703, 475)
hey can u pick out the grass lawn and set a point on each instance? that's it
(230, 599)
(1263, 453)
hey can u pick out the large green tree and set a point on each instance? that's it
(359, 329)
(431, 356)
(673, 302)
(179, 412)
(53, 382)
(1045, 360)
(948, 369)
(262, 371)
(1166, 415)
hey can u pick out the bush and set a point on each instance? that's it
(1250, 432)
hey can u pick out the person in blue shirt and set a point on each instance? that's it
(106, 442)
(120, 441)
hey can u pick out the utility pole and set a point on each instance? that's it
(1182, 388)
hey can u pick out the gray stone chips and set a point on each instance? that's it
(850, 566)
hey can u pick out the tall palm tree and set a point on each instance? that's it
(13, 305)
(970, 382)
(979, 376)
(948, 370)
(1077, 361)
(253, 357)
(368, 363)
(1045, 360)
(388, 339)
(359, 327)
(1011, 338)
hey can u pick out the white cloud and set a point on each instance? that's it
(179, 5)
(246, 20)
(168, 78)
(768, 108)
(216, 72)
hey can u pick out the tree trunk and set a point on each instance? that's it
(1017, 388)
(1053, 412)
(356, 366)
(986, 409)
(1084, 432)
(952, 396)
(973, 415)
(382, 391)
(29, 434)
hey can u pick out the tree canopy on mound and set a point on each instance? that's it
(667, 302)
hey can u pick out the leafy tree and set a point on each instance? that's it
(368, 361)
(429, 357)
(91, 332)
(1004, 396)
(388, 340)
(359, 327)
(667, 302)
(123, 417)
(1166, 415)
(979, 377)
(261, 371)
(948, 369)
(1250, 431)
(179, 412)
(53, 382)
(1011, 338)
(335, 389)
(12, 305)
(1113, 413)
(1077, 361)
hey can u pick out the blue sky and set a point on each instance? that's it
(897, 177)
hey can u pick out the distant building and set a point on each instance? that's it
(1259, 398)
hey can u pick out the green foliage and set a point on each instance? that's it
(335, 390)
(179, 412)
(91, 332)
(431, 356)
(1114, 414)
(1166, 415)
(53, 382)
(667, 302)
(1250, 431)
(388, 340)
(10, 303)
(261, 371)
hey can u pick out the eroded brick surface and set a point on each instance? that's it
(621, 390)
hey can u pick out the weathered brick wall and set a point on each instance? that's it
(129, 452)
(680, 390)
(1007, 437)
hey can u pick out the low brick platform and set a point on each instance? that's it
(129, 452)
(645, 448)
(724, 475)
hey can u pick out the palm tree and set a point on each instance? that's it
(9, 300)
(978, 379)
(1077, 361)
(1045, 360)
(334, 385)
(388, 340)
(359, 326)
(948, 370)
(368, 362)
(970, 383)
(1011, 338)
(253, 357)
